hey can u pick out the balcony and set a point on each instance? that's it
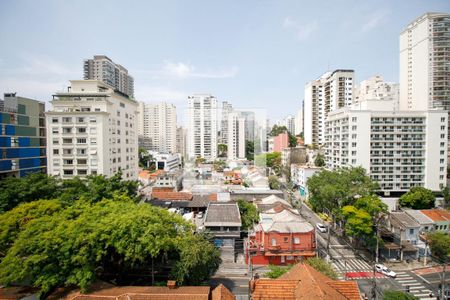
(274, 248)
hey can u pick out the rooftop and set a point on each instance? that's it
(160, 195)
(403, 220)
(222, 214)
(437, 214)
(419, 216)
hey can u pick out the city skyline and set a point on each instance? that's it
(189, 50)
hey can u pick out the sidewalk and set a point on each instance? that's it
(414, 265)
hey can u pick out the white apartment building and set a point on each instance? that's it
(424, 60)
(331, 91)
(181, 141)
(202, 126)
(375, 88)
(104, 69)
(91, 129)
(159, 123)
(300, 175)
(167, 162)
(399, 149)
(289, 123)
(236, 136)
(299, 122)
(227, 108)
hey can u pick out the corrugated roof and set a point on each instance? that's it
(171, 195)
(437, 214)
(402, 219)
(419, 216)
(222, 214)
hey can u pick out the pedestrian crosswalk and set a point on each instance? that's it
(351, 265)
(416, 288)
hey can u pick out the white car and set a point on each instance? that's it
(200, 215)
(385, 270)
(322, 228)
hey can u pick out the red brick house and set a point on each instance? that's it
(280, 238)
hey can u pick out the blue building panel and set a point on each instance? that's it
(5, 141)
(24, 141)
(29, 163)
(29, 171)
(5, 165)
(10, 129)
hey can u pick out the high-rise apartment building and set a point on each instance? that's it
(91, 129)
(22, 136)
(375, 88)
(333, 90)
(227, 108)
(104, 69)
(424, 61)
(299, 122)
(181, 141)
(159, 123)
(399, 149)
(250, 124)
(236, 136)
(289, 123)
(202, 126)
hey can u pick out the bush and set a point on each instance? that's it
(322, 266)
(277, 271)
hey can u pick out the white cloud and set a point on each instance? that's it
(147, 93)
(374, 20)
(302, 30)
(181, 70)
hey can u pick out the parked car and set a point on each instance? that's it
(385, 270)
(322, 228)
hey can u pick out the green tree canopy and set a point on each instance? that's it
(322, 266)
(88, 240)
(276, 130)
(274, 182)
(249, 214)
(418, 198)
(249, 150)
(439, 245)
(332, 190)
(145, 159)
(14, 191)
(319, 161)
(358, 222)
(277, 271)
(372, 204)
(222, 149)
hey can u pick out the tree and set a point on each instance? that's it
(249, 150)
(270, 160)
(319, 161)
(277, 271)
(372, 204)
(145, 159)
(322, 266)
(439, 245)
(418, 198)
(292, 140)
(113, 237)
(446, 196)
(276, 130)
(332, 190)
(274, 183)
(249, 214)
(222, 148)
(397, 295)
(14, 191)
(199, 160)
(358, 222)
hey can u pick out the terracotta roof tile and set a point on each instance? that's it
(267, 289)
(437, 214)
(212, 197)
(220, 292)
(172, 195)
(349, 289)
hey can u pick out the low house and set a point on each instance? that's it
(254, 194)
(281, 237)
(440, 217)
(223, 220)
(269, 202)
(405, 232)
(426, 223)
(300, 175)
(303, 282)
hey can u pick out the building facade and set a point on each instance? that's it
(331, 91)
(299, 122)
(104, 69)
(399, 149)
(159, 123)
(227, 108)
(22, 136)
(289, 123)
(181, 141)
(92, 130)
(236, 136)
(375, 88)
(300, 175)
(202, 127)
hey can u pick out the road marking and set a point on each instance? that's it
(407, 280)
(410, 284)
(417, 287)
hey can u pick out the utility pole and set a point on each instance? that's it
(443, 280)
(328, 240)
(374, 284)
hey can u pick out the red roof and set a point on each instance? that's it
(171, 195)
(437, 214)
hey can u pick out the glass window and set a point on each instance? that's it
(274, 242)
(296, 240)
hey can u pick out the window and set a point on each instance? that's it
(55, 130)
(94, 141)
(55, 141)
(81, 141)
(354, 119)
(67, 130)
(411, 231)
(67, 151)
(93, 162)
(68, 161)
(97, 109)
(442, 136)
(296, 240)
(80, 119)
(285, 239)
(82, 172)
(68, 172)
(56, 162)
(67, 119)
(81, 151)
(443, 119)
(122, 104)
(93, 130)
(55, 120)
(82, 161)
(118, 113)
(82, 130)
(93, 119)
(67, 141)
(274, 242)
(56, 151)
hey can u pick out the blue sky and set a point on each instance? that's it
(252, 53)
